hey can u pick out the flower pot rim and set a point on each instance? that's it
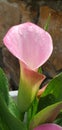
(13, 94)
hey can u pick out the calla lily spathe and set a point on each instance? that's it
(32, 46)
(49, 126)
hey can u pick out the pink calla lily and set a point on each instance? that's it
(49, 126)
(32, 46)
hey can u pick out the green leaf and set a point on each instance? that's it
(52, 93)
(54, 88)
(46, 115)
(4, 86)
(59, 119)
(13, 108)
(45, 101)
(11, 122)
(3, 125)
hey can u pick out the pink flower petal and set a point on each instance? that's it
(29, 43)
(49, 127)
(40, 91)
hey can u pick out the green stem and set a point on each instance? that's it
(47, 23)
